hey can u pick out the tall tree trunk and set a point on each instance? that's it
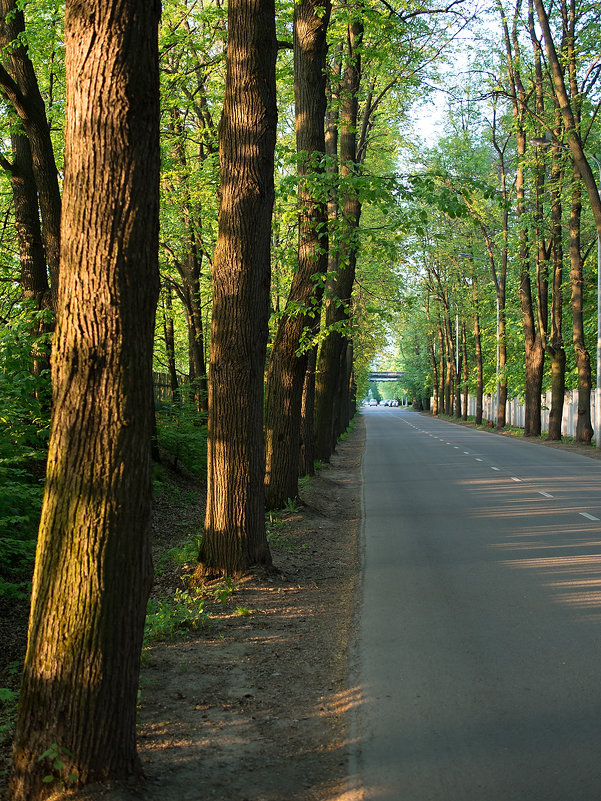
(435, 402)
(555, 346)
(338, 301)
(307, 452)
(197, 369)
(533, 348)
(93, 564)
(288, 362)
(20, 86)
(34, 276)
(584, 428)
(442, 385)
(169, 334)
(466, 371)
(234, 538)
(189, 266)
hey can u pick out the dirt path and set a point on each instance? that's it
(254, 709)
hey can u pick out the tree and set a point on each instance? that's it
(570, 120)
(288, 362)
(332, 355)
(234, 536)
(93, 565)
(19, 84)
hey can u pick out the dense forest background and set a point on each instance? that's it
(464, 256)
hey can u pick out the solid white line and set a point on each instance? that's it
(546, 494)
(588, 517)
(516, 479)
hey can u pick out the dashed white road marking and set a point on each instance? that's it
(545, 494)
(588, 517)
(495, 468)
(479, 460)
(519, 480)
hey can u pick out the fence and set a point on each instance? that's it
(515, 411)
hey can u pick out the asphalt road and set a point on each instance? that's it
(479, 649)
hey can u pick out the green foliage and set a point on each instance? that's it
(224, 590)
(24, 430)
(8, 711)
(181, 555)
(167, 617)
(56, 756)
(183, 435)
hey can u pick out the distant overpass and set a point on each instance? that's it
(390, 376)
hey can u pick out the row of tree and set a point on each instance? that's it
(294, 237)
(112, 125)
(506, 271)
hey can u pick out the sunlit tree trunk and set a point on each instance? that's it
(288, 361)
(584, 428)
(93, 564)
(466, 371)
(234, 537)
(332, 352)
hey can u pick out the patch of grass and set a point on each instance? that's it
(223, 592)
(8, 712)
(181, 555)
(242, 611)
(278, 535)
(168, 617)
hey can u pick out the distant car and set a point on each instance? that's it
(373, 402)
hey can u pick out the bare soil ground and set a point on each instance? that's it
(254, 706)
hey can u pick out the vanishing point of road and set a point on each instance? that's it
(479, 646)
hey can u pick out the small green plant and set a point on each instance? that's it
(166, 617)
(8, 710)
(224, 590)
(291, 505)
(183, 554)
(277, 532)
(57, 756)
(242, 611)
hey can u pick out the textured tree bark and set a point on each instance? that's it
(555, 346)
(466, 371)
(93, 564)
(434, 379)
(584, 428)
(442, 394)
(20, 86)
(307, 451)
(234, 539)
(33, 279)
(328, 377)
(169, 334)
(288, 366)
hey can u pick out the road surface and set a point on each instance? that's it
(479, 648)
